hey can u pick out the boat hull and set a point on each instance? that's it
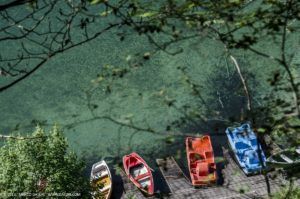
(284, 159)
(201, 163)
(139, 173)
(246, 149)
(101, 181)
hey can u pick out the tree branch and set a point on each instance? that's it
(3, 88)
(249, 102)
(14, 3)
(19, 137)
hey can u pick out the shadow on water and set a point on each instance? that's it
(161, 186)
(118, 184)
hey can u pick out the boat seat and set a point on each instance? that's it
(195, 157)
(199, 161)
(241, 146)
(139, 177)
(287, 159)
(202, 168)
(100, 174)
(209, 154)
(194, 165)
(137, 170)
(105, 188)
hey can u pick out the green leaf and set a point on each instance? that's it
(105, 13)
(147, 14)
(261, 130)
(191, 5)
(218, 21)
(93, 2)
(170, 139)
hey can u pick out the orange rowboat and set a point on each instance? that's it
(139, 173)
(201, 160)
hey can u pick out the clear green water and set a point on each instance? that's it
(55, 94)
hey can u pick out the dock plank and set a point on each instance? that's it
(173, 174)
(130, 190)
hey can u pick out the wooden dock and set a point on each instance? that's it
(235, 185)
(127, 188)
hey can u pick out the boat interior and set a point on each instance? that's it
(139, 172)
(251, 155)
(201, 164)
(201, 161)
(239, 145)
(246, 146)
(286, 156)
(101, 178)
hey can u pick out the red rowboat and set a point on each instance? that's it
(201, 160)
(139, 173)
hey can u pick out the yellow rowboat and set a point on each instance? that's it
(101, 181)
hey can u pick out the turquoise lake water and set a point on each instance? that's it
(56, 93)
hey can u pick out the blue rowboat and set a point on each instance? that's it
(244, 145)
